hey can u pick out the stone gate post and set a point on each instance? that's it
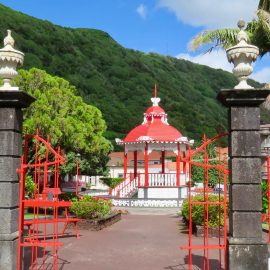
(246, 248)
(11, 103)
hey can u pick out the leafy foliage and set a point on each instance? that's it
(66, 119)
(198, 172)
(220, 38)
(216, 212)
(111, 182)
(30, 186)
(68, 196)
(258, 31)
(89, 208)
(265, 197)
(119, 81)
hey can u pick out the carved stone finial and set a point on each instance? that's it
(9, 40)
(242, 55)
(241, 24)
(9, 60)
(242, 36)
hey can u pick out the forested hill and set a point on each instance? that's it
(120, 81)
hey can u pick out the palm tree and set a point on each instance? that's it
(258, 31)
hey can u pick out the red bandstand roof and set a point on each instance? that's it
(154, 128)
(154, 110)
(156, 131)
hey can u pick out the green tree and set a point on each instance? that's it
(119, 81)
(66, 119)
(198, 172)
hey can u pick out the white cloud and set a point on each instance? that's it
(215, 59)
(142, 10)
(262, 76)
(211, 14)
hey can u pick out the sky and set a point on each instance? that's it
(162, 26)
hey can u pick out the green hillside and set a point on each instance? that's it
(120, 81)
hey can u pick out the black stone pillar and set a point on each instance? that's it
(246, 248)
(11, 104)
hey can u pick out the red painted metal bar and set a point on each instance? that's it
(225, 213)
(221, 204)
(45, 195)
(178, 166)
(203, 247)
(206, 209)
(221, 167)
(146, 184)
(77, 177)
(135, 163)
(125, 163)
(268, 194)
(163, 161)
(199, 149)
(190, 213)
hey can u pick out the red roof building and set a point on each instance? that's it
(155, 128)
(154, 134)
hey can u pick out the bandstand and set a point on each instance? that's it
(154, 134)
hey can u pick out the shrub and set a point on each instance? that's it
(89, 207)
(104, 207)
(67, 196)
(30, 187)
(198, 211)
(111, 182)
(199, 176)
(264, 187)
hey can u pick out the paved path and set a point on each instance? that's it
(137, 242)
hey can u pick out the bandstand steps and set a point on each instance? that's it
(133, 194)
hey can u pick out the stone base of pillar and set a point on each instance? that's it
(247, 255)
(8, 251)
(11, 104)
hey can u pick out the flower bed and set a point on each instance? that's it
(95, 213)
(98, 223)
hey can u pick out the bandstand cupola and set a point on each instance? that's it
(154, 134)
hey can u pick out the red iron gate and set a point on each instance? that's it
(204, 251)
(38, 241)
(266, 195)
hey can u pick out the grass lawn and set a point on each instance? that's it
(31, 215)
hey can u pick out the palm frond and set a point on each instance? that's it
(259, 32)
(216, 38)
(264, 5)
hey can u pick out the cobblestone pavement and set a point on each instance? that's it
(143, 240)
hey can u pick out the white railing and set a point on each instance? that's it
(130, 184)
(162, 179)
(165, 179)
(122, 185)
(128, 188)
